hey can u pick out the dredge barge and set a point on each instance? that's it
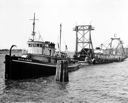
(99, 55)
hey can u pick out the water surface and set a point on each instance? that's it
(106, 83)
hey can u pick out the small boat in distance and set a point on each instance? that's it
(40, 60)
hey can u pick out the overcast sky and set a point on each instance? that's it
(109, 17)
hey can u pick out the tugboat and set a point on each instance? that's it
(40, 60)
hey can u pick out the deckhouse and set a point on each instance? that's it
(39, 47)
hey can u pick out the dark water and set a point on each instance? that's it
(91, 84)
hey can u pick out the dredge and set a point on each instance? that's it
(99, 55)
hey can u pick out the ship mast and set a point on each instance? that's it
(60, 36)
(33, 31)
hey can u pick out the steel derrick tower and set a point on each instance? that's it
(83, 37)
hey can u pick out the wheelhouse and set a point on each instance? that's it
(44, 48)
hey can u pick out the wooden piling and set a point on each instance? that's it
(62, 71)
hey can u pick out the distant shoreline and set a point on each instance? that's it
(6, 51)
(20, 51)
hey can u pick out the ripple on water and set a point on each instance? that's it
(91, 84)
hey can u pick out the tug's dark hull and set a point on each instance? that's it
(22, 69)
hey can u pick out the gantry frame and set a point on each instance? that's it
(81, 32)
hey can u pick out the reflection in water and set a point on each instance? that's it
(42, 89)
(106, 83)
(34, 84)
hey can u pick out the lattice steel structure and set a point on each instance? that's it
(83, 37)
(119, 50)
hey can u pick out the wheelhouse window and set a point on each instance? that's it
(41, 45)
(38, 45)
(35, 45)
(29, 45)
